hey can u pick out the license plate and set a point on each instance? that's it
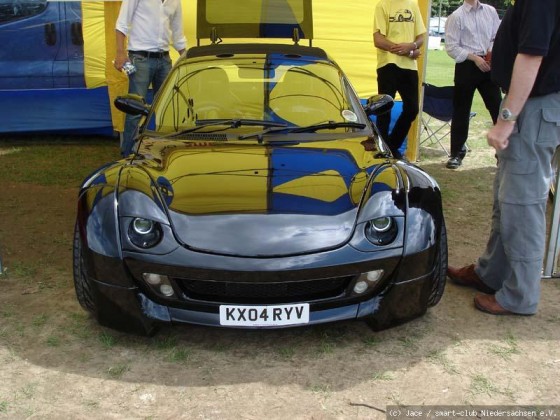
(264, 316)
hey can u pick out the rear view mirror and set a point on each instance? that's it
(132, 104)
(378, 104)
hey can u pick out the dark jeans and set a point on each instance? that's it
(148, 71)
(390, 80)
(469, 78)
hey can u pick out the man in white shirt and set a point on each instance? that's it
(469, 35)
(150, 26)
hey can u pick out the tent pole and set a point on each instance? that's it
(553, 246)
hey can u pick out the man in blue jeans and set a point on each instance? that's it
(150, 27)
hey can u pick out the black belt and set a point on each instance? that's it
(151, 54)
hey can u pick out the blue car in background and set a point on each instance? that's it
(42, 63)
(42, 45)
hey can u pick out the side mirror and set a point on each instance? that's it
(132, 104)
(378, 104)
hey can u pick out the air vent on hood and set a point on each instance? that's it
(203, 136)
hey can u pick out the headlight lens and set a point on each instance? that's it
(381, 224)
(143, 226)
(144, 233)
(381, 230)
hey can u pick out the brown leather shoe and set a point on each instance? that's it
(489, 304)
(466, 276)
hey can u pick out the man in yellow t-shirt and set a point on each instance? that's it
(398, 34)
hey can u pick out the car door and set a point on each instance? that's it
(69, 62)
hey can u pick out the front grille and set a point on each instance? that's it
(264, 293)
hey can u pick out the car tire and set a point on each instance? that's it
(82, 284)
(440, 270)
(88, 299)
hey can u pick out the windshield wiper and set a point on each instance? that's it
(259, 134)
(232, 123)
(328, 126)
(310, 128)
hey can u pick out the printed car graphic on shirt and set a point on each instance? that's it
(402, 15)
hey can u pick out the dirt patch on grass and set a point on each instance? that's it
(56, 362)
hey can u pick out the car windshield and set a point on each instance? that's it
(249, 90)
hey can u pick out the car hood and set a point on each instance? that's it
(263, 200)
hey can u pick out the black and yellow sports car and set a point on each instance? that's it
(259, 195)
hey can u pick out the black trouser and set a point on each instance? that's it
(390, 80)
(469, 78)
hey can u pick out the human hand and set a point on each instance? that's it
(402, 48)
(498, 136)
(488, 58)
(482, 64)
(119, 61)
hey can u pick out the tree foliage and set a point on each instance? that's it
(446, 7)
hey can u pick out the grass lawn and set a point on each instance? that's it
(53, 160)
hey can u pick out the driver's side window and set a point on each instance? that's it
(11, 10)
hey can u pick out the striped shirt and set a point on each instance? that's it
(471, 29)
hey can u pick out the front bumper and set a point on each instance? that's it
(129, 309)
(126, 302)
(382, 310)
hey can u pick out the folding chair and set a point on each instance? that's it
(437, 110)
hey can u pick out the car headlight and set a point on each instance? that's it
(381, 230)
(144, 233)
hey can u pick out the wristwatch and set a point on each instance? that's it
(507, 115)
